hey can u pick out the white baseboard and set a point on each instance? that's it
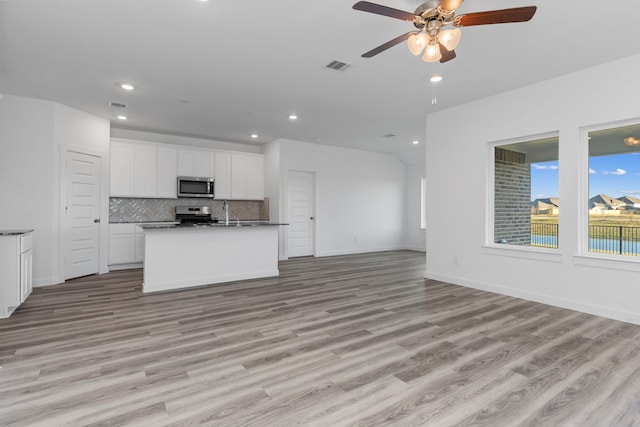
(597, 310)
(116, 267)
(40, 283)
(416, 248)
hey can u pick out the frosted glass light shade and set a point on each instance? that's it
(416, 43)
(450, 38)
(432, 53)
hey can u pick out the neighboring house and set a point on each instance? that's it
(603, 204)
(631, 203)
(548, 206)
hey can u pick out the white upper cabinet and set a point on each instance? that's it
(142, 169)
(122, 169)
(247, 176)
(167, 172)
(196, 162)
(147, 169)
(223, 175)
(255, 177)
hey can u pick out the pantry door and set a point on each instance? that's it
(81, 210)
(301, 227)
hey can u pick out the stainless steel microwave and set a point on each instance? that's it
(194, 186)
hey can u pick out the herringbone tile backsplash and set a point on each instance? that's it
(149, 210)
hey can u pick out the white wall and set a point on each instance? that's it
(28, 174)
(32, 134)
(415, 237)
(457, 174)
(359, 197)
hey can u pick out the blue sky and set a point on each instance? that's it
(614, 175)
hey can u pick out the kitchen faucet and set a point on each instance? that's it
(225, 207)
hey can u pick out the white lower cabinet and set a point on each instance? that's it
(16, 271)
(126, 246)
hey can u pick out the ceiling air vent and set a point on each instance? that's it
(118, 105)
(338, 66)
(389, 135)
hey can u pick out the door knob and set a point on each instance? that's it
(311, 218)
(96, 220)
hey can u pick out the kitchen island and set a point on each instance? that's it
(182, 256)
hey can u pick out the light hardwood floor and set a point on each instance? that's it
(353, 340)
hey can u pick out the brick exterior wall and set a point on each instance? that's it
(512, 213)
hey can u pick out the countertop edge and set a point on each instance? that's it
(15, 232)
(207, 226)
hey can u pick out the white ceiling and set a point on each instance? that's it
(244, 66)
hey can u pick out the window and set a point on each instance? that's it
(614, 191)
(525, 200)
(423, 203)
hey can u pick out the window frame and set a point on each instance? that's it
(584, 256)
(490, 246)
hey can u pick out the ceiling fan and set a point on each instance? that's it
(431, 18)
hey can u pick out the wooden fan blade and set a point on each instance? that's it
(504, 16)
(450, 4)
(387, 45)
(378, 9)
(447, 55)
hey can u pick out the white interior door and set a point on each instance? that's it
(301, 213)
(82, 214)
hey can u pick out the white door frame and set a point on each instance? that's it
(287, 206)
(103, 248)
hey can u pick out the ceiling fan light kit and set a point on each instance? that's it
(450, 38)
(417, 42)
(432, 53)
(431, 17)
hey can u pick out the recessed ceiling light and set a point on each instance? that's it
(416, 142)
(293, 117)
(254, 135)
(127, 86)
(122, 117)
(435, 78)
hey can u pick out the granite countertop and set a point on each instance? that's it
(15, 232)
(143, 222)
(232, 224)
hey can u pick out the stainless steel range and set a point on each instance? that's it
(194, 215)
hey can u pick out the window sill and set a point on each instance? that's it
(527, 252)
(615, 262)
